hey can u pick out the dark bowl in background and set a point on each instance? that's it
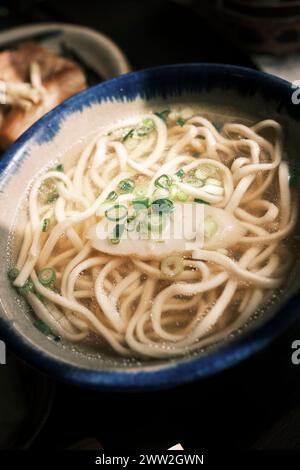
(258, 26)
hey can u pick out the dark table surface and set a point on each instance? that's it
(254, 405)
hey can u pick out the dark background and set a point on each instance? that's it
(255, 404)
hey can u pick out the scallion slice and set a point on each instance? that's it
(48, 191)
(47, 276)
(180, 173)
(115, 241)
(112, 196)
(45, 225)
(128, 135)
(126, 186)
(26, 288)
(42, 327)
(163, 181)
(141, 203)
(163, 114)
(60, 167)
(204, 171)
(193, 181)
(210, 227)
(162, 206)
(116, 212)
(182, 196)
(52, 197)
(146, 128)
(13, 273)
(171, 267)
(201, 201)
(180, 121)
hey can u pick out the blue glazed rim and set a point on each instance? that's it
(161, 81)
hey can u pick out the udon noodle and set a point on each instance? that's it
(158, 295)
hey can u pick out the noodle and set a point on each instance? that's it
(156, 297)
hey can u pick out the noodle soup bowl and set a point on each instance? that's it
(221, 93)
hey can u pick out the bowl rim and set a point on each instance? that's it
(174, 373)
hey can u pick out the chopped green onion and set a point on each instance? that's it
(117, 233)
(180, 122)
(45, 329)
(180, 173)
(116, 213)
(163, 114)
(47, 276)
(171, 267)
(26, 288)
(163, 181)
(128, 135)
(201, 201)
(13, 273)
(141, 203)
(204, 171)
(48, 191)
(146, 128)
(175, 194)
(115, 241)
(131, 143)
(162, 206)
(141, 190)
(112, 196)
(52, 197)
(297, 237)
(148, 122)
(192, 180)
(45, 225)
(126, 186)
(60, 167)
(182, 196)
(293, 177)
(210, 227)
(42, 327)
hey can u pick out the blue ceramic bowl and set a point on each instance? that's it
(221, 91)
